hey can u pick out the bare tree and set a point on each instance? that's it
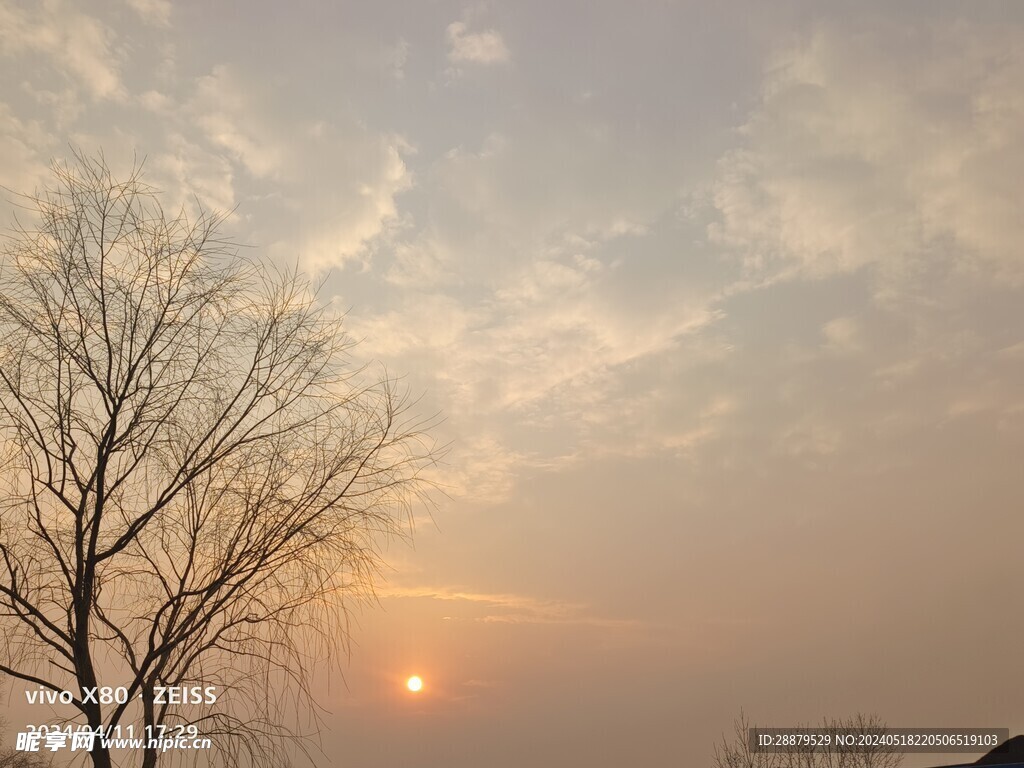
(738, 752)
(9, 758)
(12, 758)
(194, 474)
(865, 756)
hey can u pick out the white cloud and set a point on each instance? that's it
(893, 169)
(545, 308)
(429, 321)
(23, 147)
(867, 153)
(481, 469)
(399, 56)
(337, 183)
(187, 171)
(557, 184)
(544, 347)
(421, 265)
(356, 180)
(64, 105)
(157, 102)
(843, 336)
(223, 110)
(79, 45)
(155, 12)
(486, 47)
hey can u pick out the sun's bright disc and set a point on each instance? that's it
(414, 684)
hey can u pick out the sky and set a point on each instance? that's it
(721, 307)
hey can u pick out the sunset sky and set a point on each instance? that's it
(721, 306)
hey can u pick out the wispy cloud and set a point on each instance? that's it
(22, 146)
(484, 47)
(836, 173)
(503, 608)
(337, 180)
(224, 111)
(79, 45)
(155, 12)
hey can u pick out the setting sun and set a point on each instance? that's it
(414, 684)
